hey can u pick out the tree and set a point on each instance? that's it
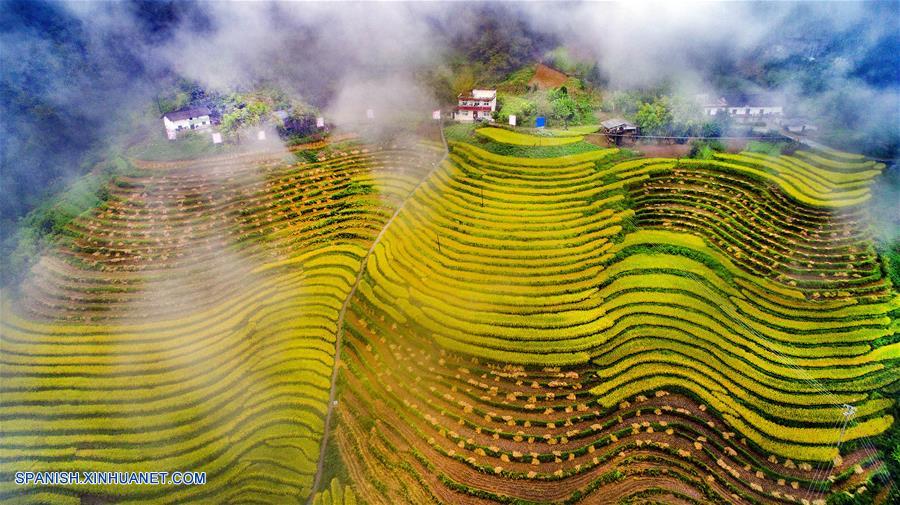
(464, 81)
(249, 115)
(654, 118)
(564, 107)
(711, 129)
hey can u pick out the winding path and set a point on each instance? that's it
(340, 322)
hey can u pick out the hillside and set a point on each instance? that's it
(461, 326)
(461, 253)
(547, 78)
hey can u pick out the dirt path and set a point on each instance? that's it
(343, 312)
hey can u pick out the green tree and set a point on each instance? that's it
(654, 118)
(249, 115)
(464, 81)
(711, 129)
(564, 108)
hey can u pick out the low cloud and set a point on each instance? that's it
(70, 69)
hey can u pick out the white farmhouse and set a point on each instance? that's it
(195, 118)
(479, 104)
(746, 109)
(712, 107)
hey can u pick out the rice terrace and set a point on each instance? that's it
(492, 267)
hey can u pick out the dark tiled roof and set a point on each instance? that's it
(187, 113)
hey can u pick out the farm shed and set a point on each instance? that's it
(617, 129)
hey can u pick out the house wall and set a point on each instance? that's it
(197, 123)
(468, 115)
(480, 103)
(745, 111)
(464, 115)
(754, 111)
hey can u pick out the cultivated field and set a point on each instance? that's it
(190, 324)
(583, 329)
(648, 330)
(522, 139)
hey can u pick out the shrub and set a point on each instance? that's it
(705, 149)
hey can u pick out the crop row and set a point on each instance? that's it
(163, 372)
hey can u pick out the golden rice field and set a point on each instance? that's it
(524, 139)
(190, 325)
(584, 329)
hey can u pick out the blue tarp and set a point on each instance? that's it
(540, 122)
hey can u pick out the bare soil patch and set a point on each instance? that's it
(546, 77)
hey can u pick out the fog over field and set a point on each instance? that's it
(71, 64)
(308, 287)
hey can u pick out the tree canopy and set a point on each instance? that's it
(655, 118)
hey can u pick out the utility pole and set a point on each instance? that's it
(439, 244)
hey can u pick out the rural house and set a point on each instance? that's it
(745, 109)
(195, 118)
(712, 107)
(479, 104)
(617, 129)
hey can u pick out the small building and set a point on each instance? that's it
(195, 118)
(712, 107)
(618, 129)
(745, 109)
(477, 105)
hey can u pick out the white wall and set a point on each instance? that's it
(185, 124)
(742, 111)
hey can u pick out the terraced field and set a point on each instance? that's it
(537, 331)
(524, 139)
(190, 325)
(584, 329)
(781, 218)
